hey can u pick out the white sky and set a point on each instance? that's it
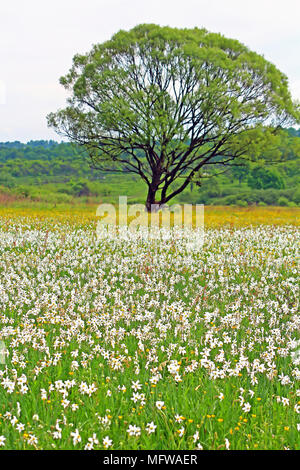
(38, 39)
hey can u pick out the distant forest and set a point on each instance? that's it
(60, 173)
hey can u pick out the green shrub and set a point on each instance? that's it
(296, 196)
(264, 178)
(241, 203)
(23, 191)
(283, 201)
(269, 197)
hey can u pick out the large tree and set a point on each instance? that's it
(165, 103)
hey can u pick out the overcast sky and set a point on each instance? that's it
(38, 39)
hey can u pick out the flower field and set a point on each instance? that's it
(135, 343)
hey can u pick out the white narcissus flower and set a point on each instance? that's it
(160, 404)
(136, 385)
(134, 430)
(107, 442)
(20, 427)
(76, 437)
(246, 408)
(150, 428)
(32, 440)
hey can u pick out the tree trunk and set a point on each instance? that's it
(150, 199)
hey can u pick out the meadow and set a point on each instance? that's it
(136, 343)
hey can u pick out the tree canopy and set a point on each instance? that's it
(165, 103)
